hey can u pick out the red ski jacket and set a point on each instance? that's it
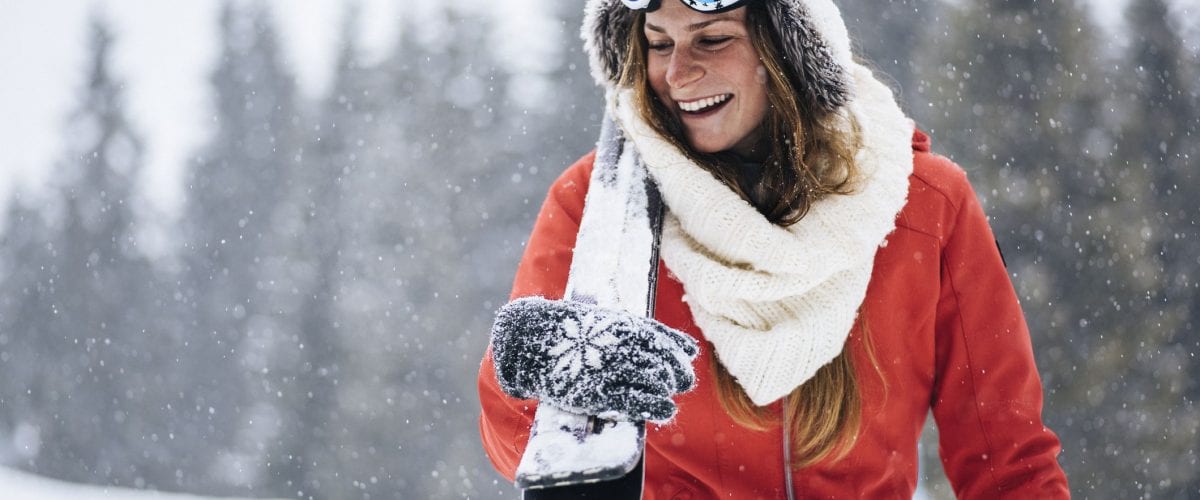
(947, 332)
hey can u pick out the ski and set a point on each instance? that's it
(572, 456)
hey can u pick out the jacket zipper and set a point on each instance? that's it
(787, 454)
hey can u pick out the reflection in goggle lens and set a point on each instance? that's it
(707, 6)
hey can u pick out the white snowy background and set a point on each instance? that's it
(443, 144)
(17, 485)
(166, 51)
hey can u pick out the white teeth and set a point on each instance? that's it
(700, 104)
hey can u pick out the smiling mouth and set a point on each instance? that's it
(704, 106)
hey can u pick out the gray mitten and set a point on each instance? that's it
(588, 360)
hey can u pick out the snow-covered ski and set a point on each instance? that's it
(615, 265)
(570, 449)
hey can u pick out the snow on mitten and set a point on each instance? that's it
(591, 360)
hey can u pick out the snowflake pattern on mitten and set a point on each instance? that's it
(588, 359)
(581, 344)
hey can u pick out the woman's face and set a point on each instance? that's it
(705, 70)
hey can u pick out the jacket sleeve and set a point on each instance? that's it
(504, 422)
(988, 396)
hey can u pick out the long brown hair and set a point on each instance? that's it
(810, 153)
(810, 156)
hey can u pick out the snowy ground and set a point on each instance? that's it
(17, 485)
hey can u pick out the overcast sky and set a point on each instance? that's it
(164, 53)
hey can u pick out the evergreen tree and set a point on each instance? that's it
(890, 34)
(1157, 145)
(24, 306)
(550, 137)
(79, 300)
(436, 163)
(317, 439)
(1158, 138)
(1017, 99)
(447, 92)
(234, 261)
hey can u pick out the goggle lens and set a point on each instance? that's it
(706, 6)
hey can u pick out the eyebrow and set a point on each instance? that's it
(694, 26)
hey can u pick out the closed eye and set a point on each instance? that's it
(660, 46)
(713, 42)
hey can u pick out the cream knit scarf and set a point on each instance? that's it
(778, 303)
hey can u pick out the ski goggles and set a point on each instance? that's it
(705, 6)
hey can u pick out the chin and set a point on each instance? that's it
(709, 145)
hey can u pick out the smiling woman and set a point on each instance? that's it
(840, 280)
(706, 71)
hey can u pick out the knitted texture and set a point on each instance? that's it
(591, 360)
(778, 303)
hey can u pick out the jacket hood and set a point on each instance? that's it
(812, 34)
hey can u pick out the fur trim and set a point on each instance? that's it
(813, 35)
(816, 43)
(606, 26)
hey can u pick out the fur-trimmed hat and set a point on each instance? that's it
(812, 32)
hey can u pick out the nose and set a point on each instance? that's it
(682, 69)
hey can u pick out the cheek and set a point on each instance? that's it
(658, 80)
(757, 96)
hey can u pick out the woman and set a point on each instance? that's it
(839, 280)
